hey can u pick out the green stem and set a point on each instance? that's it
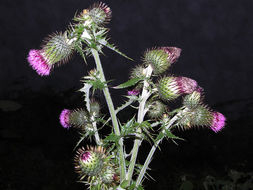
(153, 149)
(112, 113)
(145, 95)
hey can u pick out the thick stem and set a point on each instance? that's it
(153, 149)
(145, 95)
(112, 113)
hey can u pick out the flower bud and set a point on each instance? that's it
(89, 162)
(193, 100)
(218, 122)
(156, 109)
(170, 88)
(100, 13)
(161, 58)
(56, 49)
(79, 117)
(137, 72)
(108, 175)
(94, 108)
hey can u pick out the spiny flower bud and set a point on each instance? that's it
(156, 109)
(89, 162)
(100, 13)
(161, 58)
(56, 49)
(108, 175)
(193, 100)
(94, 108)
(218, 121)
(170, 88)
(137, 72)
(78, 118)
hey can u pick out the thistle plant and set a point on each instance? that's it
(150, 91)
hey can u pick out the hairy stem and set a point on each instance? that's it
(112, 113)
(153, 149)
(141, 113)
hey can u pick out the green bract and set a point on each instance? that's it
(158, 58)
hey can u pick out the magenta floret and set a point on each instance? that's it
(38, 62)
(64, 118)
(133, 92)
(218, 122)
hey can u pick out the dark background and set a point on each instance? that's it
(216, 39)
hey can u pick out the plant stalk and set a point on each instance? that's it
(112, 113)
(153, 149)
(145, 95)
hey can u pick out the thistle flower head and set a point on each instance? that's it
(156, 109)
(137, 72)
(193, 99)
(108, 175)
(89, 162)
(64, 118)
(77, 118)
(100, 13)
(168, 88)
(218, 122)
(172, 87)
(38, 62)
(199, 116)
(161, 58)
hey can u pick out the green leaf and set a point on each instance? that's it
(171, 135)
(128, 128)
(128, 83)
(79, 49)
(124, 184)
(112, 138)
(113, 48)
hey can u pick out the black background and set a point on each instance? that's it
(216, 41)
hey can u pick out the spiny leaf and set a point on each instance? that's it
(128, 83)
(79, 49)
(171, 135)
(112, 47)
(112, 138)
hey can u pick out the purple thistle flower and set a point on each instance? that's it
(38, 62)
(85, 156)
(173, 53)
(218, 122)
(133, 92)
(64, 118)
(186, 85)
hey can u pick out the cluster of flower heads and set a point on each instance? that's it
(96, 164)
(170, 88)
(59, 47)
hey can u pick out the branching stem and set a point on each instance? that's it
(112, 113)
(141, 113)
(153, 149)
